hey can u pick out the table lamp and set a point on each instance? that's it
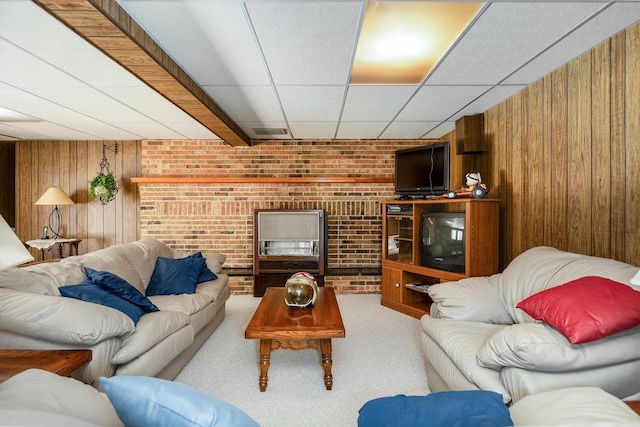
(54, 196)
(12, 251)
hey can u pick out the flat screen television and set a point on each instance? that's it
(422, 171)
(442, 241)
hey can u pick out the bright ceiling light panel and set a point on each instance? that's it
(400, 42)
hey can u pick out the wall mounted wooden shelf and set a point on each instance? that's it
(261, 180)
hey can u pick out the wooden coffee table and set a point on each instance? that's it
(279, 326)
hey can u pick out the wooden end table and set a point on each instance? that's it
(61, 362)
(279, 326)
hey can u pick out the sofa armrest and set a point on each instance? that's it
(539, 347)
(474, 299)
(60, 319)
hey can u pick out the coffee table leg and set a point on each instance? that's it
(265, 354)
(325, 348)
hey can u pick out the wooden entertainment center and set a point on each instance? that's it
(401, 260)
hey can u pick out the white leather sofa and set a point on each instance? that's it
(476, 338)
(36, 398)
(33, 314)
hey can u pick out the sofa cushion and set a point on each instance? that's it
(543, 267)
(121, 288)
(475, 299)
(574, 406)
(539, 347)
(150, 330)
(635, 280)
(206, 274)
(111, 260)
(145, 401)
(586, 309)
(60, 320)
(92, 292)
(142, 255)
(175, 276)
(468, 408)
(529, 273)
(39, 393)
(43, 279)
(214, 261)
(205, 294)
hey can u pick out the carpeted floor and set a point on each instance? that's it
(380, 356)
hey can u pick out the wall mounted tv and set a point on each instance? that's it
(442, 241)
(422, 171)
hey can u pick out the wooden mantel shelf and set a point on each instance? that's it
(261, 180)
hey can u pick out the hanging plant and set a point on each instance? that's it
(103, 188)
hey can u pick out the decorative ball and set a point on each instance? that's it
(478, 192)
(452, 195)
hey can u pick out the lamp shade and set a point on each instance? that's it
(12, 251)
(54, 196)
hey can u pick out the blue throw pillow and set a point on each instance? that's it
(145, 401)
(92, 292)
(471, 408)
(175, 276)
(120, 287)
(205, 274)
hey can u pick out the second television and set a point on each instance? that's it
(442, 241)
(422, 171)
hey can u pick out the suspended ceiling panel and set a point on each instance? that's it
(70, 90)
(280, 64)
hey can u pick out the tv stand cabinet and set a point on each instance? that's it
(401, 266)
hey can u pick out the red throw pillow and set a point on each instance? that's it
(586, 309)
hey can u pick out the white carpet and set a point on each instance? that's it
(380, 356)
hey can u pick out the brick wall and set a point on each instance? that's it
(219, 217)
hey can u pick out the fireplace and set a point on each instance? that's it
(286, 241)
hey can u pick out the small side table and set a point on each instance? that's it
(44, 244)
(61, 362)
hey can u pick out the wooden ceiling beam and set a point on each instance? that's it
(109, 28)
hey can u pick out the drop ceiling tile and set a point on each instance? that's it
(407, 130)
(149, 102)
(148, 130)
(247, 103)
(59, 46)
(100, 130)
(313, 130)
(209, 39)
(27, 103)
(93, 103)
(22, 69)
(438, 103)
(53, 131)
(360, 130)
(375, 102)
(489, 99)
(8, 132)
(191, 130)
(307, 42)
(441, 130)
(311, 103)
(505, 37)
(609, 22)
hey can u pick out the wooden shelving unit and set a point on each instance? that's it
(401, 264)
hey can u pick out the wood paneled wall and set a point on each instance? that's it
(563, 156)
(8, 182)
(71, 165)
